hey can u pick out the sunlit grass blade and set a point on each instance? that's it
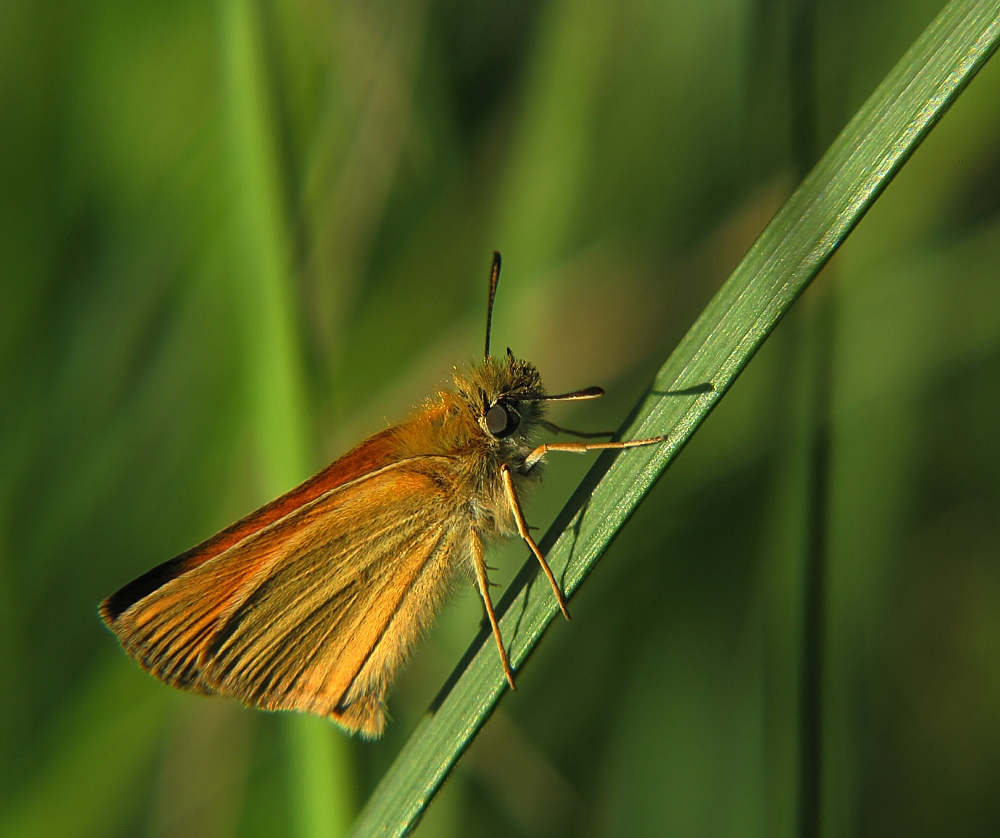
(788, 255)
(263, 290)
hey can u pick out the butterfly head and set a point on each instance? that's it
(505, 396)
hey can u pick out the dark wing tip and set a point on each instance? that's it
(125, 597)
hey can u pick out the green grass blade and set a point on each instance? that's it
(789, 253)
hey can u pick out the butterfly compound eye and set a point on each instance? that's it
(501, 421)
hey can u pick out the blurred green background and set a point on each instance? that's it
(237, 237)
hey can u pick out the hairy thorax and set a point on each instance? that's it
(450, 426)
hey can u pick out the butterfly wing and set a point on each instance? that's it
(375, 453)
(315, 610)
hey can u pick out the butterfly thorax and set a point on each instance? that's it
(489, 420)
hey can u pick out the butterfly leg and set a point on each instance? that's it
(584, 447)
(522, 528)
(483, 583)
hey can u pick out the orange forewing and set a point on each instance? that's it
(309, 603)
(374, 453)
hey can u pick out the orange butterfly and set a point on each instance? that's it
(314, 601)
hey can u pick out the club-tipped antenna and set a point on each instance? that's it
(494, 281)
(576, 395)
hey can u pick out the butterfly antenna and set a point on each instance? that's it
(494, 280)
(578, 395)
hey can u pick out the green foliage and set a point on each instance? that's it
(236, 238)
